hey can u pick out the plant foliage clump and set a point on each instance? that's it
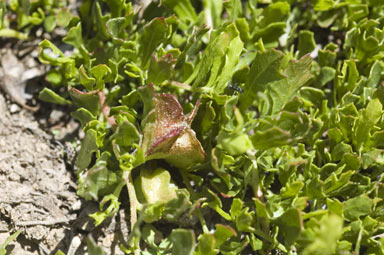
(252, 127)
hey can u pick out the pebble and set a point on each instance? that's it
(14, 108)
(76, 205)
(75, 243)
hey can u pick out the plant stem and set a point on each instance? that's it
(132, 204)
(132, 200)
(193, 194)
(202, 221)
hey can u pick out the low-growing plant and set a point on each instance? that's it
(21, 19)
(251, 127)
(7, 241)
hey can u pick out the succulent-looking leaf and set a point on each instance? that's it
(156, 185)
(291, 224)
(87, 100)
(92, 246)
(49, 95)
(88, 147)
(183, 241)
(323, 235)
(98, 180)
(154, 34)
(357, 206)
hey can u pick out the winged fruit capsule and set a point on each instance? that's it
(167, 131)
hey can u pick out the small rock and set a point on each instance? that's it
(75, 243)
(3, 228)
(14, 108)
(81, 134)
(76, 205)
(55, 116)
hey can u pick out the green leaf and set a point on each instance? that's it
(232, 58)
(261, 210)
(63, 17)
(85, 80)
(327, 57)
(183, 9)
(334, 182)
(183, 242)
(243, 27)
(291, 225)
(112, 208)
(233, 8)
(357, 206)
(153, 35)
(37, 17)
(256, 243)
(50, 96)
(236, 207)
(160, 69)
(88, 147)
(99, 72)
(298, 74)
(87, 100)
(174, 208)
(271, 33)
(276, 12)
(265, 68)
(49, 23)
(213, 58)
(245, 220)
(98, 181)
(292, 189)
(3, 11)
(368, 118)
(222, 234)
(327, 74)
(324, 235)
(206, 245)
(335, 207)
(270, 138)
(101, 21)
(54, 77)
(324, 5)
(92, 246)
(315, 188)
(375, 74)
(74, 36)
(50, 54)
(7, 241)
(213, 11)
(234, 144)
(83, 115)
(11, 33)
(151, 235)
(339, 150)
(306, 42)
(156, 185)
(126, 134)
(116, 26)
